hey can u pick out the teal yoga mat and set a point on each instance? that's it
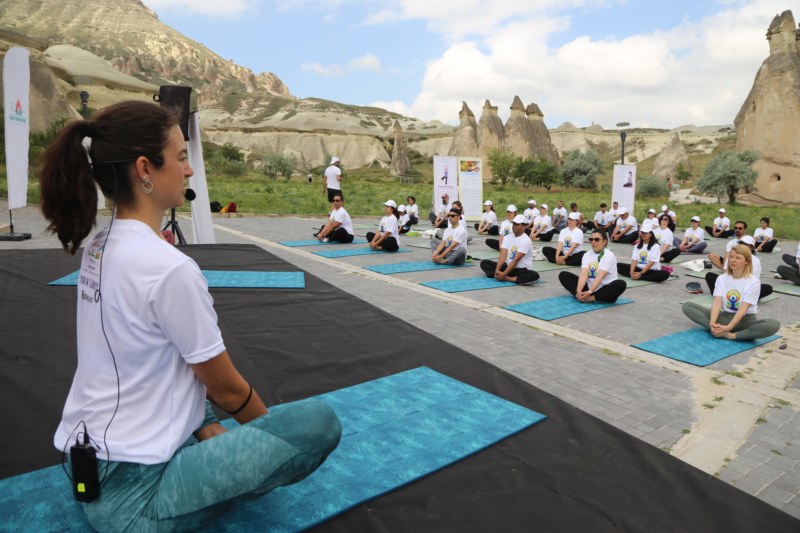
(315, 242)
(467, 284)
(698, 347)
(237, 279)
(420, 243)
(335, 254)
(485, 254)
(561, 306)
(411, 266)
(546, 266)
(792, 290)
(396, 429)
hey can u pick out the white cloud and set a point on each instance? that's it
(366, 62)
(323, 70)
(699, 71)
(231, 9)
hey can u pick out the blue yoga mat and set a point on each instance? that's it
(698, 346)
(468, 284)
(411, 266)
(315, 242)
(239, 279)
(561, 306)
(335, 254)
(395, 430)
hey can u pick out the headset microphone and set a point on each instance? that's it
(189, 194)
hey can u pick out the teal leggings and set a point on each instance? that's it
(205, 479)
(750, 327)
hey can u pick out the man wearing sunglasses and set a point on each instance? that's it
(515, 263)
(339, 227)
(452, 250)
(739, 231)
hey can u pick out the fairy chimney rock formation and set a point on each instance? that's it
(542, 143)
(401, 165)
(465, 142)
(490, 135)
(518, 131)
(672, 155)
(767, 121)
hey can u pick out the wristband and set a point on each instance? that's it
(249, 395)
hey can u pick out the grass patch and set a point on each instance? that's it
(686, 431)
(716, 381)
(718, 398)
(775, 451)
(709, 405)
(734, 373)
(611, 352)
(761, 420)
(782, 403)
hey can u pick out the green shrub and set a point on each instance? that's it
(231, 152)
(651, 187)
(503, 164)
(729, 172)
(274, 165)
(580, 170)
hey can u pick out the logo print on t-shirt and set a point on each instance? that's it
(506, 231)
(449, 241)
(513, 252)
(733, 300)
(594, 267)
(567, 242)
(643, 257)
(539, 225)
(381, 228)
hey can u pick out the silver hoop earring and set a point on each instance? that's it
(147, 185)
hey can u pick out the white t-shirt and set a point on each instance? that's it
(595, 263)
(505, 228)
(629, 222)
(570, 238)
(519, 245)
(734, 291)
(669, 213)
(458, 235)
(531, 213)
(760, 235)
(412, 210)
(403, 220)
(332, 174)
(797, 255)
(389, 223)
(489, 217)
(343, 217)
(614, 213)
(542, 223)
(158, 318)
(756, 267)
(560, 211)
(601, 219)
(664, 236)
(692, 233)
(643, 255)
(443, 210)
(722, 222)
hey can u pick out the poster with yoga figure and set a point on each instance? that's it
(624, 186)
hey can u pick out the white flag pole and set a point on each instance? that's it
(203, 228)
(16, 98)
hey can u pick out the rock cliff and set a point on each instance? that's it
(767, 121)
(401, 166)
(673, 154)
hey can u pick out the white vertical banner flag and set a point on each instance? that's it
(202, 226)
(16, 96)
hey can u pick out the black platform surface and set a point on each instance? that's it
(571, 472)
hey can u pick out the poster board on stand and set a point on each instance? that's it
(445, 180)
(624, 186)
(470, 186)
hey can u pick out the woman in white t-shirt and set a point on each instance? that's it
(598, 278)
(413, 210)
(150, 352)
(404, 221)
(765, 243)
(488, 224)
(693, 238)
(388, 237)
(570, 242)
(505, 228)
(666, 239)
(645, 258)
(733, 315)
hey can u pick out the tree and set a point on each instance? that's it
(231, 152)
(503, 164)
(539, 172)
(681, 174)
(727, 173)
(651, 187)
(580, 170)
(274, 165)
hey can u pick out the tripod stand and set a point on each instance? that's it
(172, 225)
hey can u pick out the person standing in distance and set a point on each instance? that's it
(333, 179)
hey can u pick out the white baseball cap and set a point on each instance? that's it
(488, 202)
(511, 207)
(721, 209)
(574, 216)
(623, 211)
(544, 206)
(695, 218)
(390, 203)
(652, 211)
(334, 160)
(532, 202)
(747, 239)
(520, 219)
(664, 207)
(401, 208)
(646, 227)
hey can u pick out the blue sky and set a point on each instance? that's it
(650, 62)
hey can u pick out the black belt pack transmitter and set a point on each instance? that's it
(85, 480)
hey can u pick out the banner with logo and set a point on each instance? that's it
(470, 186)
(16, 96)
(624, 186)
(201, 207)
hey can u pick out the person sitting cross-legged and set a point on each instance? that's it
(515, 263)
(693, 238)
(645, 259)
(739, 229)
(452, 249)
(339, 227)
(570, 241)
(626, 229)
(598, 278)
(505, 228)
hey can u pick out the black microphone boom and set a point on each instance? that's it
(190, 194)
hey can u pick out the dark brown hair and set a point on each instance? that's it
(119, 135)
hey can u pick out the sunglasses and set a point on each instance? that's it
(594, 239)
(739, 228)
(451, 216)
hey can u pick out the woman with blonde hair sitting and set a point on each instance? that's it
(733, 315)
